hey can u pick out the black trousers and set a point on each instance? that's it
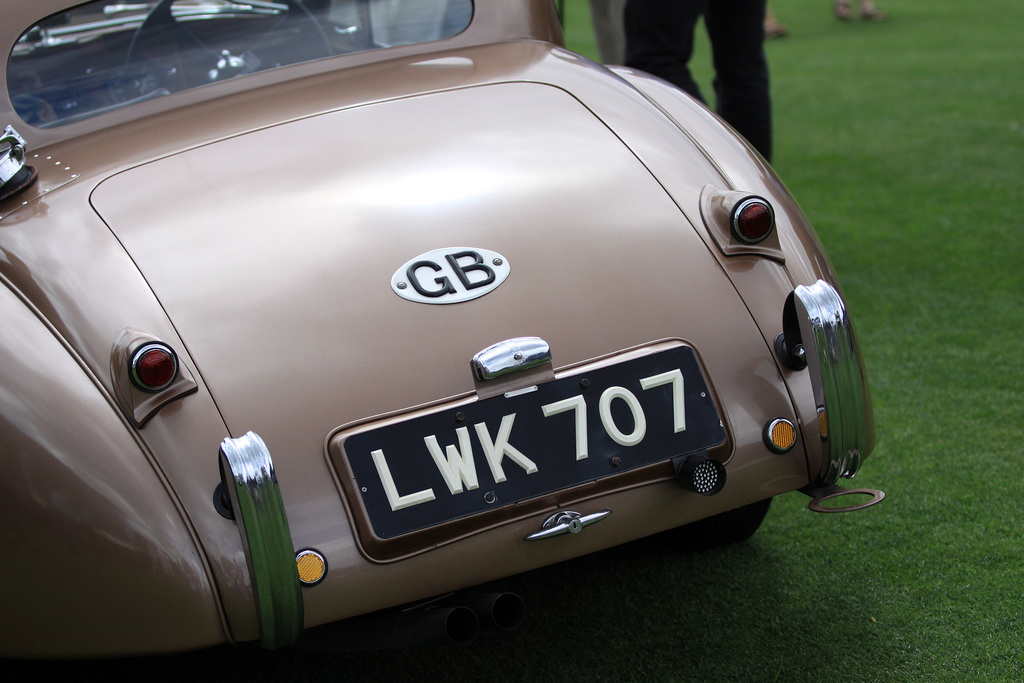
(659, 40)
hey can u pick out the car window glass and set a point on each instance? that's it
(106, 55)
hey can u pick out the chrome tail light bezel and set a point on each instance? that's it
(720, 210)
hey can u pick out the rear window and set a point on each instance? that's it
(106, 55)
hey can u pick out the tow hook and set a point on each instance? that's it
(821, 492)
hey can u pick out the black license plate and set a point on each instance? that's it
(496, 452)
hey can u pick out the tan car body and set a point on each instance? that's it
(253, 225)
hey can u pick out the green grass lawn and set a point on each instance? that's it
(903, 141)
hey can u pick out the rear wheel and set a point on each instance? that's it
(728, 527)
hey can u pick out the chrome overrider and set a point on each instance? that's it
(247, 473)
(817, 329)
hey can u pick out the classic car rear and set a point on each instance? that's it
(298, 336)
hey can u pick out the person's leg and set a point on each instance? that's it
(736, 29)
(659, 39)
(607, 18)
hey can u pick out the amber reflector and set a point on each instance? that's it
(312, 567)
(823, 423)
(753, 220)
(780, 435)
(154, 367)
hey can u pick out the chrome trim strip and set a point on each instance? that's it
(511, 355)
(838, 378)
(247, 471)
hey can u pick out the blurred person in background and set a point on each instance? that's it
(772, 27)
(843, 10)
(659, 40)
(607, 18)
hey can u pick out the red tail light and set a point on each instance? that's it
(752, 220)
(154, 366)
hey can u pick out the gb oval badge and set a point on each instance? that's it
(450, 275)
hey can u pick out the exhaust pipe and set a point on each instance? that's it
(395, 629)
(498, 611)
(452, 620)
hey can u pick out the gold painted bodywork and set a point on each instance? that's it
(254, 224)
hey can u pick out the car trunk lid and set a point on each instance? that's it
(273, 252)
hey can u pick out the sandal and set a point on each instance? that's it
(842, 10)
(773, 29)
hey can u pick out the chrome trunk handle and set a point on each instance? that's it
(567, 522)
(511, 355)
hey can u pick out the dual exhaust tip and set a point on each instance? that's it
(452, 620)
(474, 613)
(459, 619)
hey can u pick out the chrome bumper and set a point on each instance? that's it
(247, 472)
(815, 318)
